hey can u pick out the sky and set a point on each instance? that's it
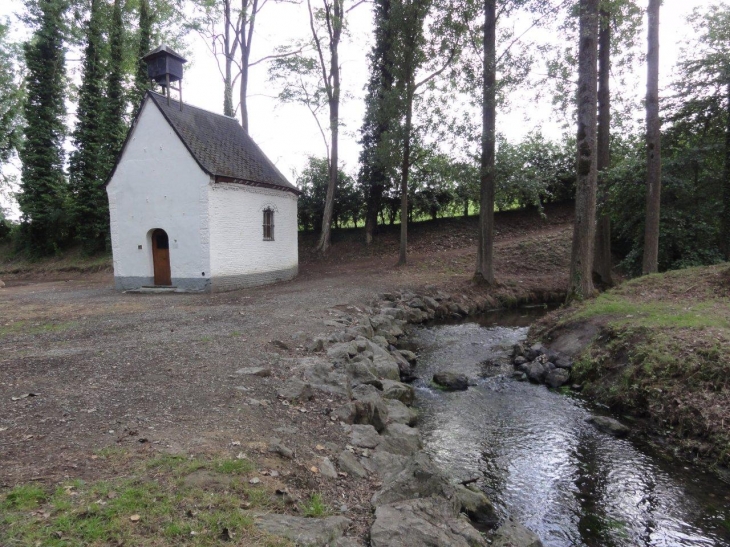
(288, 134)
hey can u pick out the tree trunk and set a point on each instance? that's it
(243, 94)
(581, 262)
(335, 28)
(405, 168)
(329, 203)
(653, 145)
(485, 250)
(228, 83)
(246, 39)
(371, 213)
(602, 254)
(466, 208)
(725, 228)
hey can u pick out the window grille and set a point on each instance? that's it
(268, 225)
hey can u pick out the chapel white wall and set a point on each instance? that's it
(239, 256)
(158, 184)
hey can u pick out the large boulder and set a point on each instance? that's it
(561, 361)
(367, 390)
(349, 464)
(609, 425)
(419, 478)
(382, 363)
(324, 376)
(477, 507)
(536, 372)
(534, 351)
(404, 367)
(360, 370)
(342, 351)
(384, 464)
(451, 381)
(303, 531)
(398, 413)
(513, 534)
(398, 391)
(294, 390)
(557, 377)
(371, 410)
(408, 356)
(429, 522)
(364, 436)
(400, 439)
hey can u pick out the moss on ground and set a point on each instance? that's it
(663, 354)
(153, 505)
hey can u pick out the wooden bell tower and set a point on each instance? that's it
(165, 67)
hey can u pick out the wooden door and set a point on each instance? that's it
(161, 257)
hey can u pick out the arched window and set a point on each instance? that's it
(268, 224)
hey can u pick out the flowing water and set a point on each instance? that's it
(539, 461)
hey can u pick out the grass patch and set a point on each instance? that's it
(625, 311)
(152, 507)
(315, 507)
(30, 328)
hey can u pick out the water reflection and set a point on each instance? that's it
(539, 460)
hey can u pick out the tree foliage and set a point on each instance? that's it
(89, 164)
(43, 198)
(11, 96)
(313, 181)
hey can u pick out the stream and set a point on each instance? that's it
(539, 461)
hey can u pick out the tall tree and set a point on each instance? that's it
(410, 55)
(513, 70)
(141, 80)
(653, 144)
(328, 55)
(485, 243)
(376, 153)
(581, 262)
(602, 252)
(43, 196)
(116, 104)
(704, 86)
(88, 163)
(11, 97)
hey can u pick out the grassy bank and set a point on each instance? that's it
(169, 500)
(659, 350)
(71, 260)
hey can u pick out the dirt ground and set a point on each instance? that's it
(146, 374)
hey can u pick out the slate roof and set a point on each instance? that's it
(220, 145)
(164, 49)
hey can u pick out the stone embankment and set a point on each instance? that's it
(417, 503)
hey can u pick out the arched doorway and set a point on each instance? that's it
(161, 257)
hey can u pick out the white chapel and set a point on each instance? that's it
(194, 203)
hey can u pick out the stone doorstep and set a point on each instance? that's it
(162, 289)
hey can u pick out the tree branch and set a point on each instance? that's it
(276, 56)
(318, 44)
(439, 71)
